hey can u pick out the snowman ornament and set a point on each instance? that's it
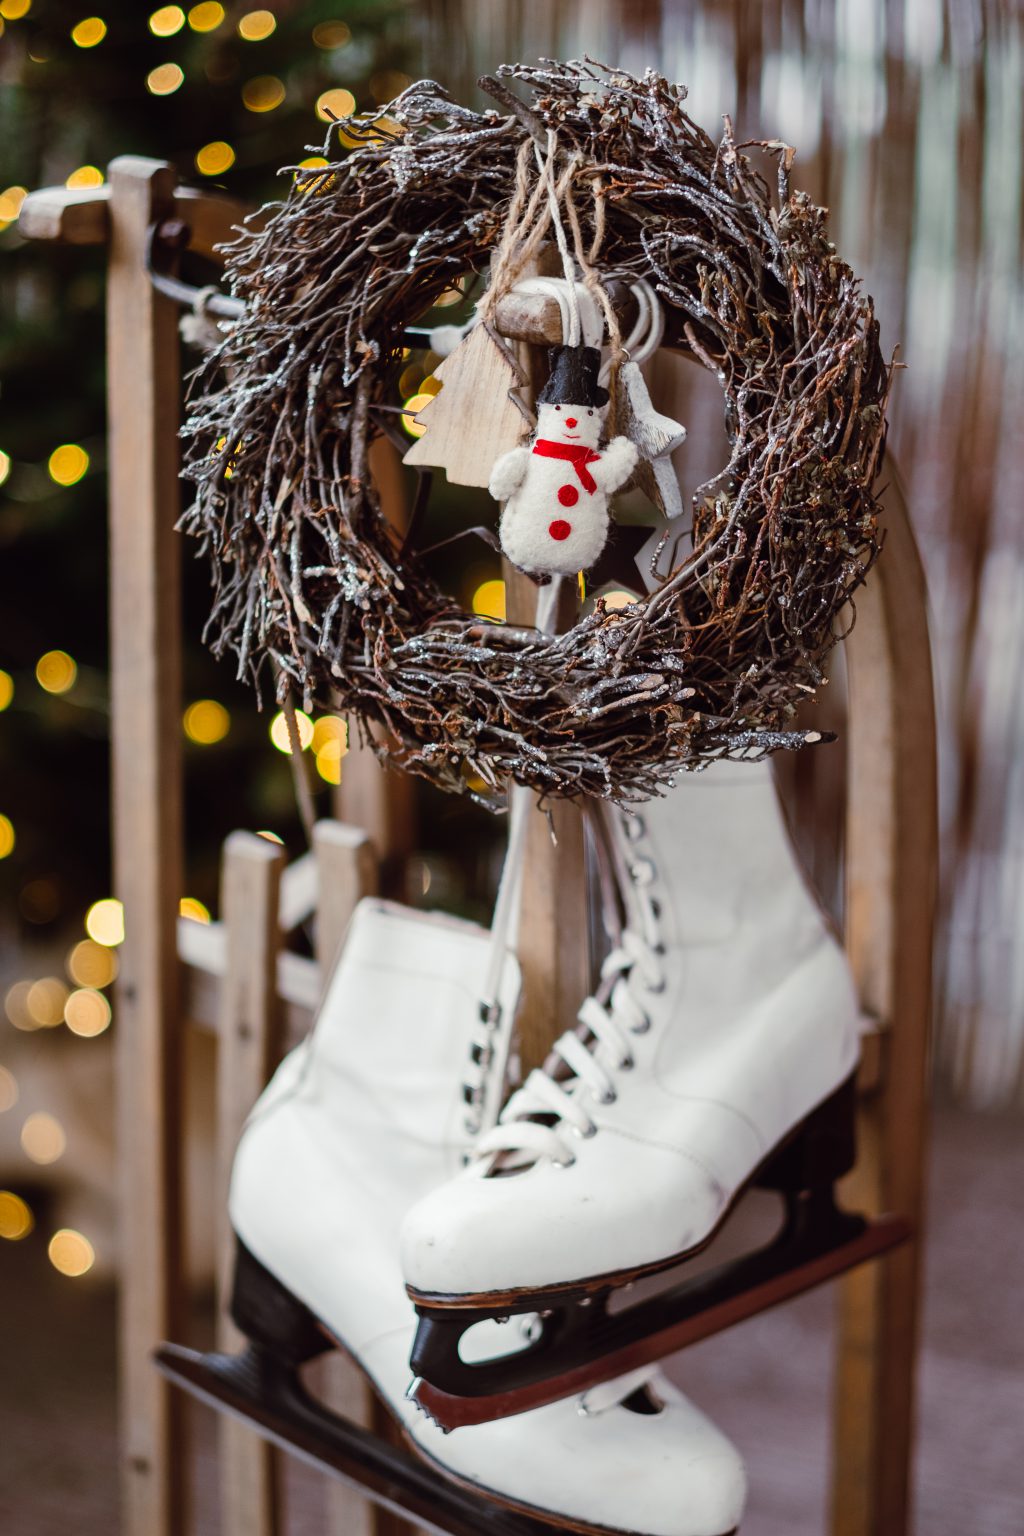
(555, 489)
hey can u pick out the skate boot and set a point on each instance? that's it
(360, 1122)
(719, 1047)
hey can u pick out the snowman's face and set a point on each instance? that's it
(577, 424)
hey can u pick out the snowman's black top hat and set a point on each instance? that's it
(573, 378)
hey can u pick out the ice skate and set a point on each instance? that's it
(719, 1050)
(366, 1117)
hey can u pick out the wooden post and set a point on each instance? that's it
(145, 662)
(552, 946)
(249, 1046)
(891, 877)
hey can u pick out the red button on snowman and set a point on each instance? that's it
(556, 489)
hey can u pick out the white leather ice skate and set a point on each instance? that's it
(727, 1015)
(357, 1124)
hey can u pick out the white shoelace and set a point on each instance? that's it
(611, 1018)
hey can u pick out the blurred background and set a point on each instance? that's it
(907, 120)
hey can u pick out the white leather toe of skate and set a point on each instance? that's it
(632, 1455)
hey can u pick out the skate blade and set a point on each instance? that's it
(582, 1346)
(271, 1399)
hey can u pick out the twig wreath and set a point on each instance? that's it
(309, 578)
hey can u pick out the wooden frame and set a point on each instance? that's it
(236, 978)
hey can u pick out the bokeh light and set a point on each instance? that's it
(70, 1253)
(271, 837)
(332, 34)
(16, 1005)
(8, 1090)
(189, 907)
(91, 965)
(328, 767)
(263, 93)
(330, 744)
(254, 26)
(85, 176)
(314, 163)
(56, 671)
(89, 32)
(14, 10)
(412, 405)
(215, 158)
(279, 731)
(104, 922)
(5, 465)
(386, 84)
(489, 599)
(165, 79)
(335, 103)
(6, 690)
(206, 722)
(87, 1013)
(330, 735)
(68, 463)
(7, 837)
(45, 1001)
(43, 1138)
(409, 380)
(616, 599)
(167, 20)
(11, 200)
(16, 1220)
(205, 17)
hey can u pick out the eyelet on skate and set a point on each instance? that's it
(591, 1130)
(609, 1097)
(643, 872)
(628, 1064)
(568, 1162)
(642, 1027)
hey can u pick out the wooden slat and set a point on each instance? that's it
(249, 1045)
(211, 219)
(891, 858)
(81, 216)
(145, 662)
(202, 947)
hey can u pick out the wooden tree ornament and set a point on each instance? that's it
(474, 418)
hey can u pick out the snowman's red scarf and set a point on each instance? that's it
(580, 457)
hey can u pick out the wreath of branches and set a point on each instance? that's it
(310, 580)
